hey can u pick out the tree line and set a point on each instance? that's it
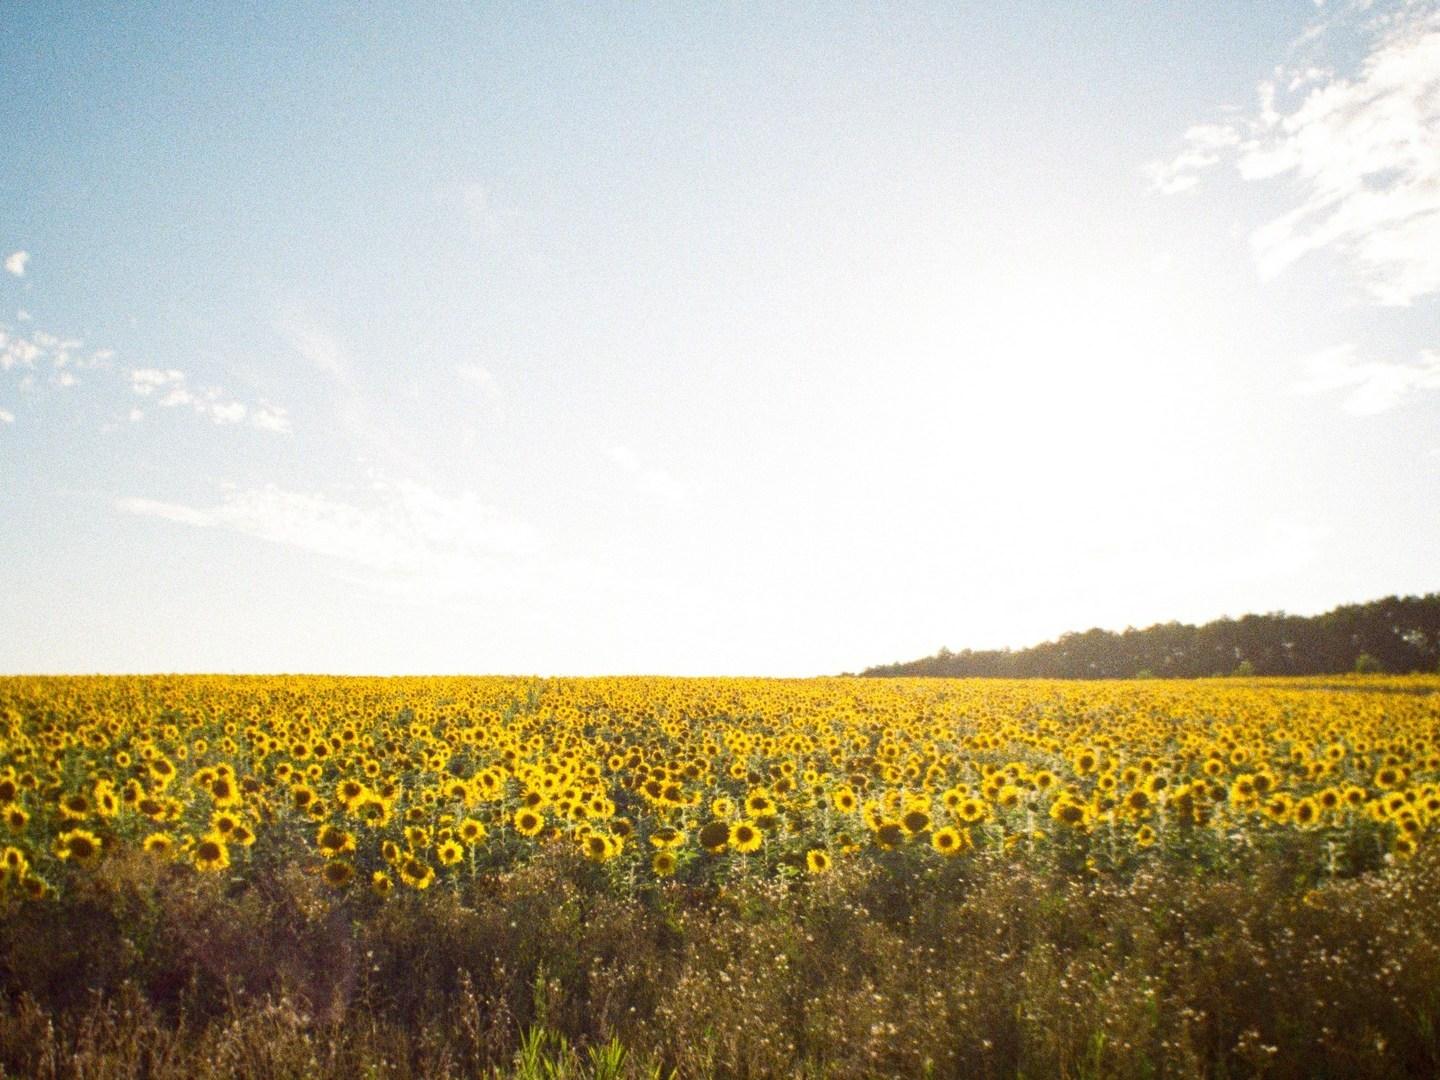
(1397, 634)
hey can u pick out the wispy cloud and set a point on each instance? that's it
(6, 416)
(169, 389)
(1371, 386)
(15, 262)
(371, 427)
(1205, 145)
(403, 533)
(1362, 152)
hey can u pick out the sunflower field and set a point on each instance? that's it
(604, 858)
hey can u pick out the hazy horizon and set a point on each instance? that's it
(608, 340)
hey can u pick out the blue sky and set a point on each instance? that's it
(721, 339)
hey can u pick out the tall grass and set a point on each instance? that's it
(991, 965)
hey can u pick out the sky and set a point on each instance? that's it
(706, 339)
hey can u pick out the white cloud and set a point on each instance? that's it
(318, 348)
(17, 352)
(169, 511)
(145, 381)
(405, 532)
(1372, 386)
(230, 412)
(176, 397)
(268, 417)
(37, 348)
(1205, 145)
(647, 480)
(1362, 153)
(479, 377)
(213, 403)
(6, 416)
(15, 262)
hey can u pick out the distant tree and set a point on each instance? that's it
(1397, 634)
(1365, 664)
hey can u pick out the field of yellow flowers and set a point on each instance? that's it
(356, 804)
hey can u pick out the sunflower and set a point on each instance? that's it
(449, 853)
(1278, 807)
(162, 772)
(1145, 836)
(528, 822)
(333, 841)
(13, 864)
(915, 822)
(16, 818)
(337, 873)
(890, 834)
(598, 846)
(417, 873)
(211, 854)
(472, 831)
(159, 843)
(745, 837)
(1306, 812)
(224, 791)
(663, 863)
(77, 844)
(667, 836)
(950, 840)
(107, 803)
(373, 811)
(714, 836)
(1390, 776)
(817, 861)
(349, 792)
(1067, 811)
(1138, 802)
(760, 804)
(972, 810)
(380, 883)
